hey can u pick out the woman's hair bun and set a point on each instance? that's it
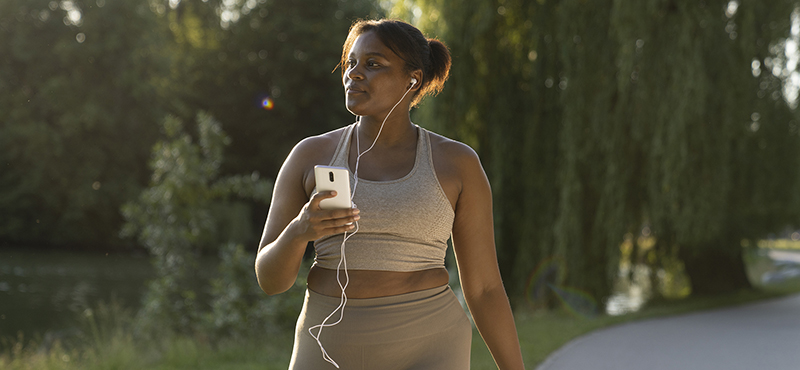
(439, 67)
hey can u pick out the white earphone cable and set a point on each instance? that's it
(343, 258)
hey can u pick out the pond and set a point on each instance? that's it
(44, 290)
(767, 268)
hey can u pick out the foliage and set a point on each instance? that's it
(281, 50)
(239, 308)
(179, 214)
(606, 118)
(88, 82)
(77, 116)
(109, 344)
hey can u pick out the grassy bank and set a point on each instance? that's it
(540, 333)
(107, 341)
(122, 352)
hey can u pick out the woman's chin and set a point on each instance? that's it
(355, 109)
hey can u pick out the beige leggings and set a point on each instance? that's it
(425, 330)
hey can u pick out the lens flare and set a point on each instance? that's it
(549, 271)
(267, 103)
(544, 289)
(576, 301)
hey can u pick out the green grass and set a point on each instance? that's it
(541, 333)
(121, 352)
(109, 344)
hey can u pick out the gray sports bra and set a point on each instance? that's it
(405, 223)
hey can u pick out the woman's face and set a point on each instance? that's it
(374, 77)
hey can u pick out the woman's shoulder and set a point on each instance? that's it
(309, 152)
(327, 139)
(451, 149)
(322, 146)
(456, 164)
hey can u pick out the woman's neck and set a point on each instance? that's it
(397, 129)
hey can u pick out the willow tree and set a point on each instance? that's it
(530, 91)
(503, 98)
(594, 118)
(713, 131)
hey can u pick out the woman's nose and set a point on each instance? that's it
(354, 73)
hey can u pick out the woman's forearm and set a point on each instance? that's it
(495, 321)
(278, 263)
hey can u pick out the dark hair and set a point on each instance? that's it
(419, 53)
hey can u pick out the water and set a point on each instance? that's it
(633, 288)
(43, 291)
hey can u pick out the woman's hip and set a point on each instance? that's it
(390, 318)
(414, 330)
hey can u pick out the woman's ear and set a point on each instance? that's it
(416, 80)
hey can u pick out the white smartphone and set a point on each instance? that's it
(337, 179)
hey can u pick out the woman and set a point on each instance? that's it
(415, 189)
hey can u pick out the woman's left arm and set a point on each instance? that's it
(473, 242)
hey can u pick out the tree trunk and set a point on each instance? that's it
(715, 269)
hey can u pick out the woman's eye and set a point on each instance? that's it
(352, 63)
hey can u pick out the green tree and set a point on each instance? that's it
(90, 80)
(712, 174)
(182, 211)
(227, 64)
(595, 118)
(77, 116)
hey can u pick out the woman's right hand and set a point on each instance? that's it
(314, 222)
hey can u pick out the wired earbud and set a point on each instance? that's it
(342, 258)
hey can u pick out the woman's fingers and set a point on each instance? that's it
(318, 197)
(332, 226)
(344, 220)
(339, 218)
(322, 222)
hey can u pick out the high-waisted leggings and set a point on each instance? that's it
(424, 330)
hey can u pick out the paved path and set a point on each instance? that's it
(764, 335)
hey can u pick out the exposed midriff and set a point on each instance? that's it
(372, 284)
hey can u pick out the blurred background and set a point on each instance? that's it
(638, 152)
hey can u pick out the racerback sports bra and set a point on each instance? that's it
(405, 223)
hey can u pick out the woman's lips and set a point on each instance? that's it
(354, 90)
